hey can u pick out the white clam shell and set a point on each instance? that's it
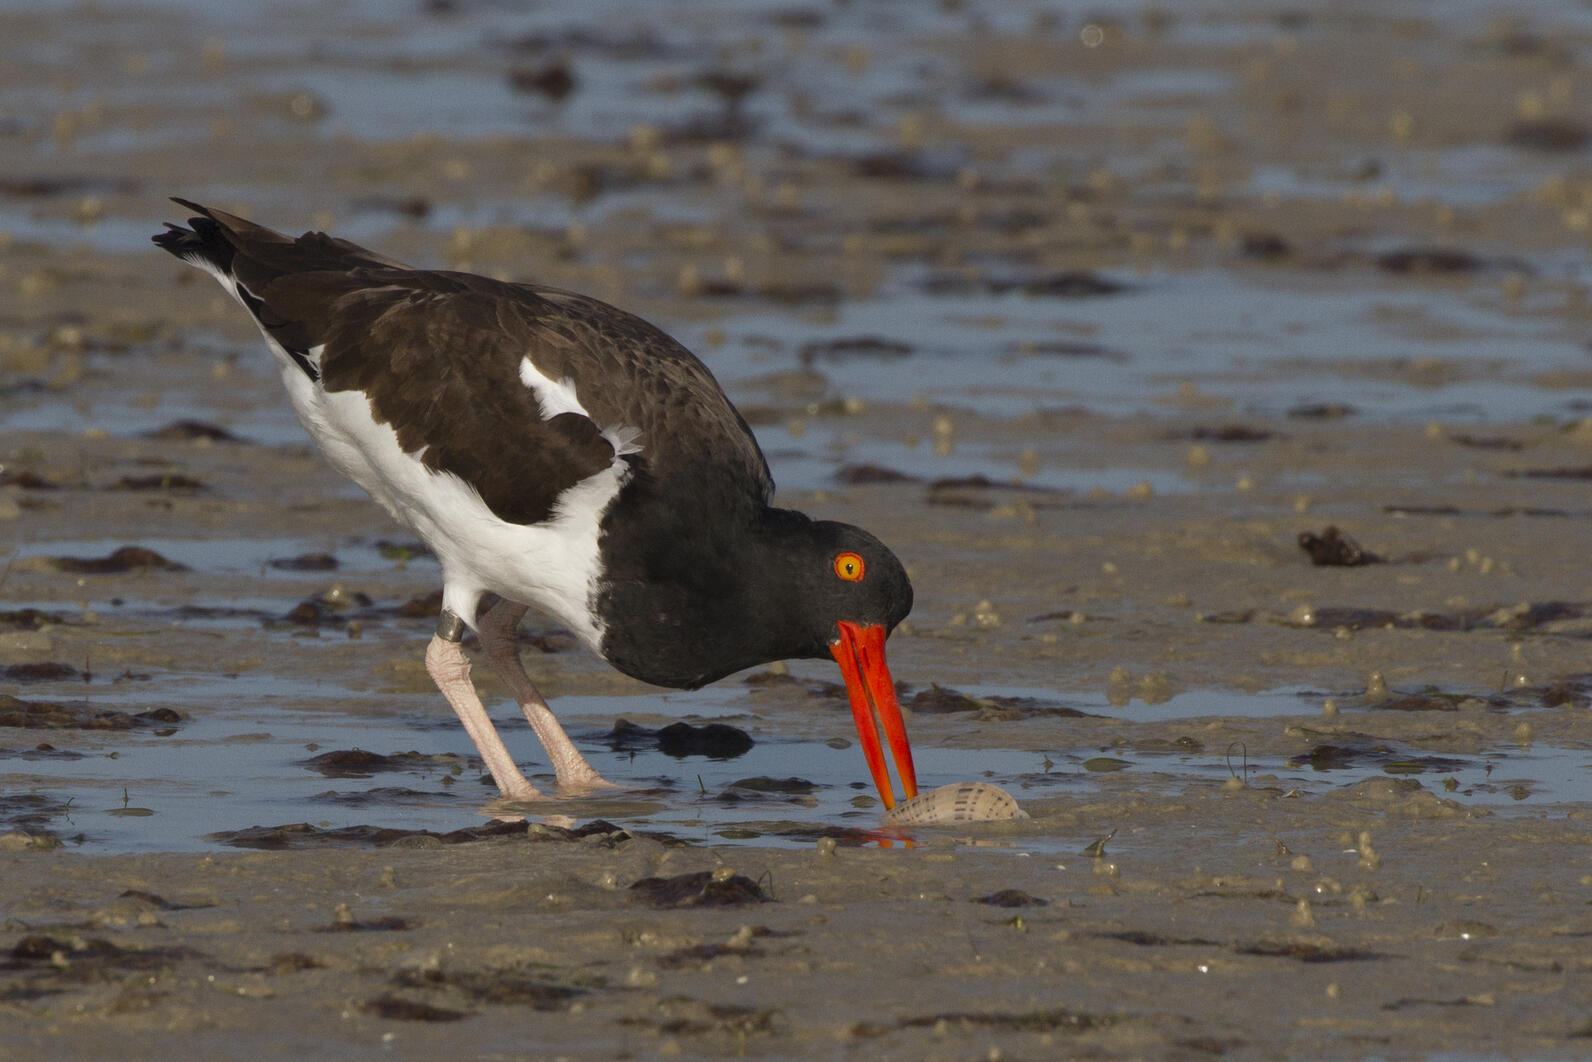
(957, 802)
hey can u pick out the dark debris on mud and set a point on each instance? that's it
(764, 788)
(42, 671)
(716, 741)
(1226, 433)
(303, 835)
(125, 559)
(306, 562)
(300, 835)
(866, 474)
(1306, 951)
(41, 751)
(381, 796)
(853, 347)
(942, 700)
(358, 763)
(509, 986)
(1359, 751)
(1334, 549)
(1572, 472)
(1012, 898)
(394, 1008)
(980, 493)
(32, 619)
(190, 430)
(81, 715)
(1068, 284)
(704, 888)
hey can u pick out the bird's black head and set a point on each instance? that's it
(689, 606)
(848, 591)
(686, 608)
(836, 573)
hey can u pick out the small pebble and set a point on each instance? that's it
(1369, 858)
(1375, 687)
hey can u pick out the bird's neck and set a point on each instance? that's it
(710, 599)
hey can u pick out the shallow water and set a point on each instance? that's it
(1253, 349)
(1263, 349)
(238, 760)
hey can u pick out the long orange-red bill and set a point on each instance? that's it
(860, 654)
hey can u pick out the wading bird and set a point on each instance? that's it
(558, 453)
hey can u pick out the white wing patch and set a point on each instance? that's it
(554, 397)
(558, 396)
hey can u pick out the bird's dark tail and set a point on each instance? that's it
(204, 245)
(252, 261)
(244, 257)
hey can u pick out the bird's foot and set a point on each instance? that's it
(520, 791)
(583, 781)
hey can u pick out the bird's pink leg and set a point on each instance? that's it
(450, 670)
(497, 630)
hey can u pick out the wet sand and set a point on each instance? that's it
(1344, 808)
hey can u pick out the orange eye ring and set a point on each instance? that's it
(849, 566)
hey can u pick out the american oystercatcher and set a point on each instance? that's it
(556, 452)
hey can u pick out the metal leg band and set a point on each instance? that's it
(450, 628)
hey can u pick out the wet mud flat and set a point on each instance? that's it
(1373, 920)
(1230, 417)
(1339, 805)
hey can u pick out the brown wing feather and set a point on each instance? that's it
(439, 354)
(437, 366)
(630, 373)
(422, 343)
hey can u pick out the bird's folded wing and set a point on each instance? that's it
(439, 363)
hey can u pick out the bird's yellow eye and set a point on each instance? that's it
(849, 567)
